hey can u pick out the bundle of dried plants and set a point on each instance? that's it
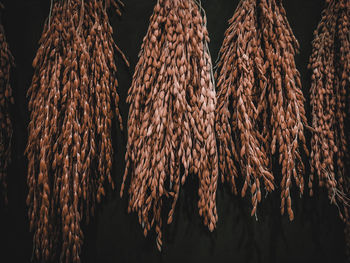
(171, 118)
(71, 101)
(6, 99)
(260, 112)
(330, 65)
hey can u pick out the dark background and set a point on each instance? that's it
(315, 235)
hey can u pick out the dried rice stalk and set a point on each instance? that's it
(6, 99)
(260, 108)
(71, 101)
(171, 117)
(330, 65)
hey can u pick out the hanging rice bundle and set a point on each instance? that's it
(71, 101)
(6, 99)
(260, 106)
(330, 65)
(171, 118)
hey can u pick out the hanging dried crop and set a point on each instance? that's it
(260, 106)
(330, 65)
(6, 99)
(71, 102)
(171, 117)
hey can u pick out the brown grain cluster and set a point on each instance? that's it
(6, 99)
(72, 101)
(330, 66)
(260, 112)
(171, 118)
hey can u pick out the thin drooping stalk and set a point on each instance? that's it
(6, 100)
(260, 112)
(171, 118)
(71, 100)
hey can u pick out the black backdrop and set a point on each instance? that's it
(315, 235)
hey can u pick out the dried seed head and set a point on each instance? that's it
(70, 127)
(329, 64)
(260, 106)
(172, 114)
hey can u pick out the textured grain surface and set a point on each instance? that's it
(171, 118)
(260, 112)
(72, 101)
(113, 235)
(330, 66)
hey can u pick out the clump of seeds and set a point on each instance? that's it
(171, 118)
(72, 101)
(330, 66)
(260, 112)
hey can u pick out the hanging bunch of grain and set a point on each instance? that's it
(242, 110)
(260, 106)
(6, 99)
(71, 101)
(171, 117)
(330, 65)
